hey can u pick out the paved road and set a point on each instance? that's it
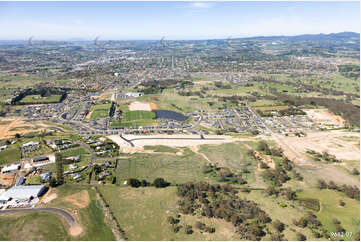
(126, 140)
(85, 146)
(68, 217)
(168, 138)
(159, 138)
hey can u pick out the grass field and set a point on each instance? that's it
(234, 156)
(138, 115)
(173, 168)
(100, 110)
(161, 148)
(142, 213)
(12, 153)
(32, 226)
(272, 206)
(134, 123)
(349, 215)
(37, 99)
(136, 118)
(72, 152)
(90, 217)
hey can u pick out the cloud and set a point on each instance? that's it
(200, 5)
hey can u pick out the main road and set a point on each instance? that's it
(68, 217)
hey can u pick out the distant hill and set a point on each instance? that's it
(309, 37)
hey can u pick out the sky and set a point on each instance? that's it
(174, 20)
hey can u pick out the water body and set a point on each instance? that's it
(166, 114)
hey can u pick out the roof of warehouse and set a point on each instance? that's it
(22, 192)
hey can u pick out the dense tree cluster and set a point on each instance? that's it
(349, 111)
(277, 176)
(158, 182)
(348, 190)
(220, 201)
(263, 146)
(323, 156)
(223, 174)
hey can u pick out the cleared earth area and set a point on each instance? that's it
(342, 144)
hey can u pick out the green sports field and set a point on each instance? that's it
(138, 115)
(100, 110)
(39, 99)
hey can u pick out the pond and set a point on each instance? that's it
(166, 114)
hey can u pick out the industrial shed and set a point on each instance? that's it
(40, 158)
(23, 193)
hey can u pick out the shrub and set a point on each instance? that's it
(278, 225)
(160, 182)
(134, 182)
(300, 237)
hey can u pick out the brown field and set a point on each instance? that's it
(10, 126)
(80, 199)
(324, 116)
(330, 141)
(142, 106)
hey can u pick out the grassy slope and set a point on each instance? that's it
(32, 226)
(38, 99)
(173, 168)
(142, 213)
(329, 200)
(91, 217)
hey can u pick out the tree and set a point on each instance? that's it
(336, 221)
(59, 168)
(355, 172)
(172, 220)
(188, 229)
(160, 182)
(199, 225)
(18, 136)
(342, 203)
(300, 237)
(52, 182)
(144, 183)
(262, 146)
(134, 182)
(278, 225)
(321, 184)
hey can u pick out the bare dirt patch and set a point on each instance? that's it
(89, 115)
(153, 106)
(49, 196)
(75, 230)
(10, 126)
(80, 199)
(140, 106)
(330, 141)
(323, 116)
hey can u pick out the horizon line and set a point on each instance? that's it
(167, 39)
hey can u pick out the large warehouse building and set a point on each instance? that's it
(23, 193)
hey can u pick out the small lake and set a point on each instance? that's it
(166, 114)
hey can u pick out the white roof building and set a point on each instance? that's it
(31, 143)
(23, 192)
(10, 168)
